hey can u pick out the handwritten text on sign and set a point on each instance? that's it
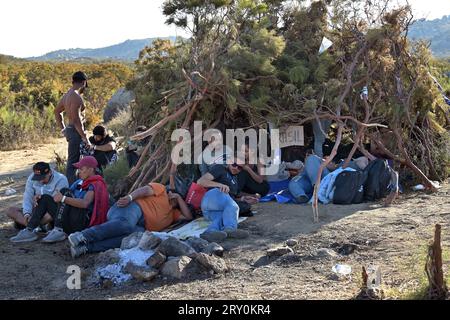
(292, 136)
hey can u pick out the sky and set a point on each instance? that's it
(34, 27)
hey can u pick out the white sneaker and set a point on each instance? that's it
(56, 235)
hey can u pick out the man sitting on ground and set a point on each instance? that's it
(40, 188)
(103, 147)
(74, 214)
(250, 180)
(150, 207)
(135, 148)
(219, 205)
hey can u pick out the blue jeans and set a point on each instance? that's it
(219, 208)
(319, 137)
(121, 223)
(302, 186)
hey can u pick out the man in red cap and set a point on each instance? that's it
(89, 208)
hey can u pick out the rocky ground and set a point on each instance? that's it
(393, 238)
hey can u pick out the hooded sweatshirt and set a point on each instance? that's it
(32, 188)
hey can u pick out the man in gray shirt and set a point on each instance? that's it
(42, 182)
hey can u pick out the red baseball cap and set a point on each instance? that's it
(88, 161)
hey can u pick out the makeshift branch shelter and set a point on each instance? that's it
(253, 62)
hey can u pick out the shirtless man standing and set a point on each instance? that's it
(73, 105)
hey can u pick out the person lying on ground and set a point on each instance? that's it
(302, 186)
(103, 147)
(40, 188)
(150, 208)
(250, 180)
(219, 205)
(71, 213)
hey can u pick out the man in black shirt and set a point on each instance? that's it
(218, 204)
(103, 147)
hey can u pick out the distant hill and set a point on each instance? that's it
(437, 31)
(4, 59)
(125, 51)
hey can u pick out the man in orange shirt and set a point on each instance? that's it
(150, 207)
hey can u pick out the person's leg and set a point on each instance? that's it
(45, 204)
(301, 188)
(212, 207)
(74, 140)
(230, 213)
(16, 215)
(319, 137)
(312, 165)
(121, 221)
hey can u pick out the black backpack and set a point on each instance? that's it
(349, 187)
(378, 180)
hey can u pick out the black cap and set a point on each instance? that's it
(40, 169)
(99, 131)
(79, 76)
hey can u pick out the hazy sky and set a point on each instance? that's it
(34, 27)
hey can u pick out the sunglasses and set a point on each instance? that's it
(235, 165)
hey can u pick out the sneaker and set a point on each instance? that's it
(56, 235)
(77, 238)
(25, 235)
(237, 233)
(78, 251)
(213, 236)
(45, 228)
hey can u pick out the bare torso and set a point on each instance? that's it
(74, 107)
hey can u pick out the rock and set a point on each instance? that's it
(141, 273)
(325, 253)
(347, 248)
(156, 260)
(278, 252)
(131, 241)
(198, 244)
(213, 248)
(108, 257)
(149, 241)
(291, 242)
(214, 263)
(175, 268)
(175, 248)
(120, 101)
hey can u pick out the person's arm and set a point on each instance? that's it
(207, 181)
(106, 147)
(185, 211)
(173, 171)
(61, 184)
(77, 203)
(143, 192)
(58, 115)
(255, 176)
(28, 200)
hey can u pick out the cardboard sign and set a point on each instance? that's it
(292, 136)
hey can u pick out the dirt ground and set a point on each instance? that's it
(393, 238)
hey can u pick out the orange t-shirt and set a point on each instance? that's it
(157, 211)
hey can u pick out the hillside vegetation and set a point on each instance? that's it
(29, 92)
